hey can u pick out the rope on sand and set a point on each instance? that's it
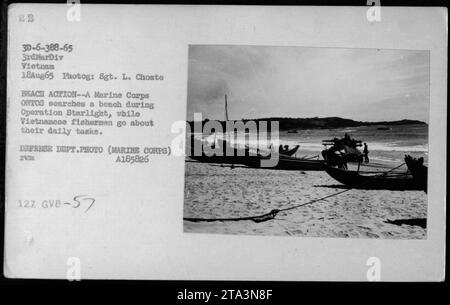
(273, 213)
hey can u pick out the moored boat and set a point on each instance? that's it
(289, 163)
(248, 158)
(397, 180)
(220, 152)
(285, 150)
(342, 151)
(418, 171)
(224, 152)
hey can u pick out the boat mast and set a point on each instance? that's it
(226, 119)
(226, 108)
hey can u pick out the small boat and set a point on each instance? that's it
(245, 157)
(292, 163)
(400, 181)
(207, 152)
(342, 151)
(293, 131)
(231, 154)
(288, 152)
(384, 128)
(418, 170)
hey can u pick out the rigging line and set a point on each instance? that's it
(338, 193)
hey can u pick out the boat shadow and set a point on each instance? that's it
(421, 222)
(345, 187)
(333, 186)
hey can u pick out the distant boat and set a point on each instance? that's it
(293, 131)
(384, 128)
(400, 181)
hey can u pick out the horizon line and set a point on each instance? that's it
(328, 117)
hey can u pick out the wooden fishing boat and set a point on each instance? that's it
(342, 151)
(245, 157)
(418, 170)
(374, 180)
(254, 161)
(224, 152)
(288, 163)
(301, 164)
(288, 152)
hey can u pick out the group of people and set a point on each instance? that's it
(348, 141)
(346, 150)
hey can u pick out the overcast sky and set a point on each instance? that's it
(360, 84)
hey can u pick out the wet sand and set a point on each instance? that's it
(213, 191)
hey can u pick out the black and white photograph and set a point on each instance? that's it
(218, 143)
(351, 141)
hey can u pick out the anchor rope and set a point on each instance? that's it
(272, 214)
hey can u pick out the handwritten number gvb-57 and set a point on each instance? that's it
(79, 199)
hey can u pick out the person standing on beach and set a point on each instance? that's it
(366, 153)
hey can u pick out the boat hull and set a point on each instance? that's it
(255, 162)
(244, 157)
(291, 163)
(419, 171)
(356, 180)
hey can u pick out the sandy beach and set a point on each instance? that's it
(213, 191)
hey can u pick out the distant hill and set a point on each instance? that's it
(321, 123)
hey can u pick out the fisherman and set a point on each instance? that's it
(366, 153)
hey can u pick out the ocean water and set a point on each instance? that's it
(388, 146)
(385, 146)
